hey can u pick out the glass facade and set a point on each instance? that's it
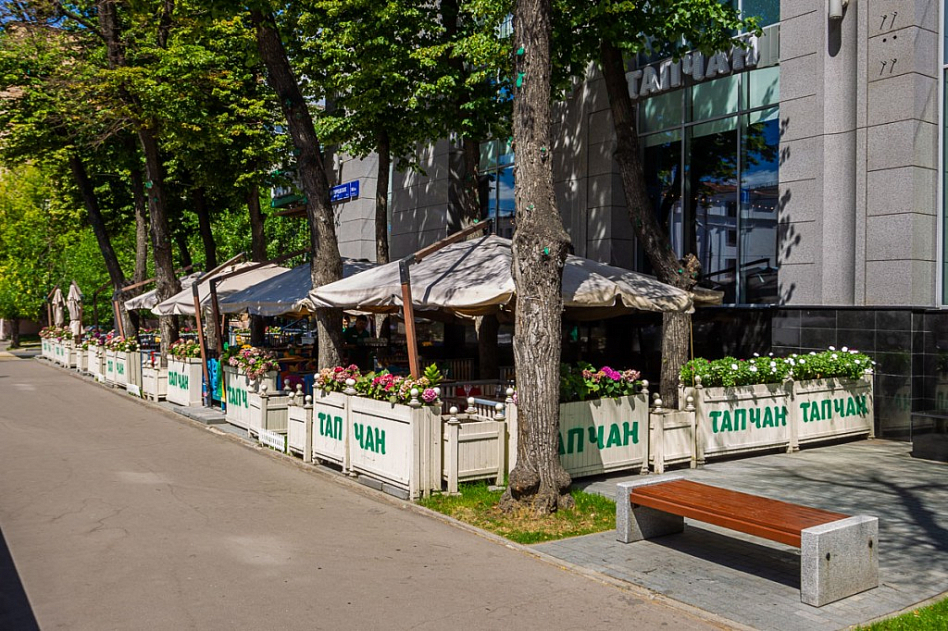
(711, 161)
(496, 186)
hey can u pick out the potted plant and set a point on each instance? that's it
(246, 369)
(768, 402)
(184, 373)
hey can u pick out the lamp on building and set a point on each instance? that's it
(837, 8)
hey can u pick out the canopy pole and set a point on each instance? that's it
(202, 344)
(409, 312)
(118, 316)
(216, 313)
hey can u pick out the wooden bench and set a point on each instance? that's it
(838, 553)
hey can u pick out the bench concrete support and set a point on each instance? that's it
(634, 523)
(839, 559)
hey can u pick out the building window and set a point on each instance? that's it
(496, 186)
(711, 156)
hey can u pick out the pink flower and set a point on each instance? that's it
(429, 395)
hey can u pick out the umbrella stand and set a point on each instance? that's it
(408, 308)
(203, 344)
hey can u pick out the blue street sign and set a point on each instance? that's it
(348, 190)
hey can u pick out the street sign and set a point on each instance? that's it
(348, 190)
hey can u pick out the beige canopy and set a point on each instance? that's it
(286, 293)
(74, 305)
(473, 278)
(182, 303)
(149, 299)
(58, 304)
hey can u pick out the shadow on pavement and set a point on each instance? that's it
(15, 610)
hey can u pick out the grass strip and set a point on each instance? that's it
(477, 505)
(931, 618)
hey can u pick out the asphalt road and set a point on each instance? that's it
(114, 515)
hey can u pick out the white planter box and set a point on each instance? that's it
(59, 352)
(763, 417)
(154, 383)
(267, 412)
(299, 429)
(671, 439)
(69, 354)
(832, 408)
(184, 381)
(121, 368)
(237, 390)
(44, 342)
(396, 444)
(329, 418)
(133, 375)
(742, 419)
(474, 449)
(97, 363)
(109, 367)
(597, 436)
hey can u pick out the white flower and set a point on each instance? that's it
(753, 368)
(773, 370)
(812, 352)
(844, 349)
(834, 356)
(857, 361)
(802, 361)
(833, 348)
(770, 354)
(733, 366)
(873, 363)
(756, 355)
(773, 364)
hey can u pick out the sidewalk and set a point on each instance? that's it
(756, 582)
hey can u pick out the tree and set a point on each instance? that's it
(326, 264)
(35, 231)
(540, 247)
(608, 33)
(44, 73)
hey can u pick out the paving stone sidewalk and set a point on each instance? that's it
(756, 582)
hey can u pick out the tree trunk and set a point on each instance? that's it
(648, 230)
(383, 149)
(326, 265)
(487, 328)
(181, 241)
(199, 198)
(166, 281)
(141, 226)
(470, 201)
(540, 246)
(258, 235)
(258, 250)
(14, 332)
(96, 221)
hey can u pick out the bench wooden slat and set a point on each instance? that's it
(750, 514)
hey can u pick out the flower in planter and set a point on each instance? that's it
(729, 372)
(584, 382)
(185, 348)
(255, 362)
